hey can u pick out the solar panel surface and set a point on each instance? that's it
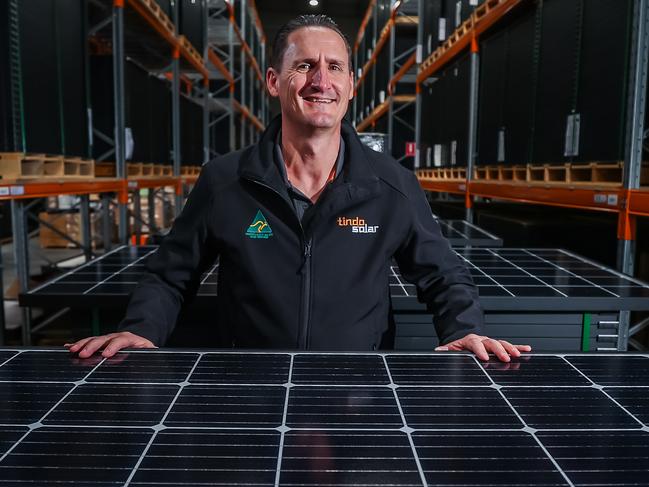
(461, 233)
(507, 279)
(260, 418)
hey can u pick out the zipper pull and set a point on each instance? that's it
(307, 250)
(306, 253)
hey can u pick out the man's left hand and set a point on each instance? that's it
(481, 346)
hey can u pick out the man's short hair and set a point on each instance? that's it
(311, 20)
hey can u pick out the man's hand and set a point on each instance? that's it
(481, 346)
(111, 343)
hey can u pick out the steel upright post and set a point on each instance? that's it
(243, 74)
(21, 258)
(391, 61)
(264, 104)
(175, 108)
(355, 100)
(106, 222)
(206, 89)
(634, 146)
(120, 124)
(137, 219)
(151, 210)
(2, 305)
(473, 123)
(418, 59)
(233, 141)
(86, 231)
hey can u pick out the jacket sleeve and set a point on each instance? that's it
(442, 279)
(173, 272)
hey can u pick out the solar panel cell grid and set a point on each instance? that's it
(245, 418)
(506, 279)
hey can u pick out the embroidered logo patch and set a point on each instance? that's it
(259, 228)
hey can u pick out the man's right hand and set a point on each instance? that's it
(111, 344)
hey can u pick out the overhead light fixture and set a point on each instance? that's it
(313, 3)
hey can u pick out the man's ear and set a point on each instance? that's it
(351, 83)
(272, 80)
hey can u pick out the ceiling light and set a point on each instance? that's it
(313, 3)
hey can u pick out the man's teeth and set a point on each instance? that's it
(318, 100)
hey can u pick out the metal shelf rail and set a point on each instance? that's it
(629, 201)
(386, 79)
(246, 35)
(140, 30)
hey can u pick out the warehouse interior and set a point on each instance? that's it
(525, 124)
(518, 117)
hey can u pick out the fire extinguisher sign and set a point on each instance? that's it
(410, 149)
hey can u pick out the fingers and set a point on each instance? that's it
(78, 345)
(111, 344)
(125, 340)
(476, 345)
(482, 345)
(510, 349)
(497, 349)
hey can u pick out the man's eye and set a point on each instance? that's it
(336, 67)
(303, 67)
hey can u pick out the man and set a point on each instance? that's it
(305, 224)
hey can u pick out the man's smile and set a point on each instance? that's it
(315, 99)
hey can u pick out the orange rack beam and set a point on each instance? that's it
(600, 199)
(382, 109)
(366, 19)
(245, 113)
(218, 64)
(383, 38)
(484, 16)
(262, 34)
(244, 45)
(402, 72)
(639, 202)
(42, 188)
(142, 8)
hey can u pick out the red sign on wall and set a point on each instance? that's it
(411, 148)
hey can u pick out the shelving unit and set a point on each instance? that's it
(225, 79)
(385, 85)
(626, 199)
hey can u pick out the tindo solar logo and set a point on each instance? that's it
(357, 224)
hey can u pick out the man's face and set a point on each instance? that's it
(315, 83)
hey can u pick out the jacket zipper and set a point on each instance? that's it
(306, 294)
(306, 272)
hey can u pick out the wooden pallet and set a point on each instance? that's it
(15, 165)
(133, 169)
(580, 174)
(147, 169)
(190, 170)
(78, 167)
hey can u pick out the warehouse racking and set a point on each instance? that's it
(148, 41)
(454, 71)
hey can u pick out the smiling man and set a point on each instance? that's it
(305, 224)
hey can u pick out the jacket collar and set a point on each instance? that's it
(258, 163)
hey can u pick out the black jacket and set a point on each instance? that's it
(319, 284)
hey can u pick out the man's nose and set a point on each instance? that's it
(321, 78)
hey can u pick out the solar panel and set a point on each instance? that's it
(514, 279)
(338, 419)
(461, 233)
(507, 279)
